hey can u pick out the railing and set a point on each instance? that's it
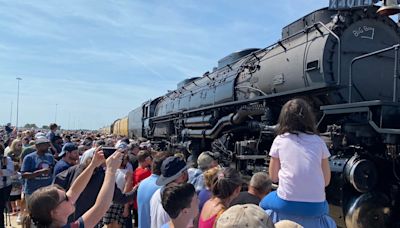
(395, 74)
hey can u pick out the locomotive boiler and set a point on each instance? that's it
(343, 61)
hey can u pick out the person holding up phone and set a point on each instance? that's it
(88, 197)
(51, 206)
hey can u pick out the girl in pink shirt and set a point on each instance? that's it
(299, 161)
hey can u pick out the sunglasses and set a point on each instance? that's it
(65, 199)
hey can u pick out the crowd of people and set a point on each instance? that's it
(87, 179)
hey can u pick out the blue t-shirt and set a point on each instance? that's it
(33, 162)
(60, 166)
(166, 225)
(145, 191)
(50, 136)
(204, 195)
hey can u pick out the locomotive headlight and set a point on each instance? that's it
(361, 174)
(389, 7)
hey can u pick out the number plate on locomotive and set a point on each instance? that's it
(349, 4)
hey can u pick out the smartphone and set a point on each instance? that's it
(108, 151)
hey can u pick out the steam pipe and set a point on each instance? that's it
(211, 133)
(198, 121)
(231, 119)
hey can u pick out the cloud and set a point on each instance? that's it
(100, 59)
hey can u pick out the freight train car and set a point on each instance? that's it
(105, 130)
(120, 127)
(344, 61)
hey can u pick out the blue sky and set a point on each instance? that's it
(95, 60)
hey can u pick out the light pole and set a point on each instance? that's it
(55, 115)
(11, 112)
(18, 79)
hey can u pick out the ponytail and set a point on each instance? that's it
(225, 183)
(26, 221)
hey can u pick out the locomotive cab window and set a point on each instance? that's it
(145, 112)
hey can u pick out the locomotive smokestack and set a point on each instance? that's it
(389, 7)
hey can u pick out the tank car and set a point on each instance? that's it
(343, 61)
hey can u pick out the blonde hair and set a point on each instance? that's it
(13, 146)
(209, 176)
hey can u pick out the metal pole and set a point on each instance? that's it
(69, 119)
(18, 79)
(55, 115)
(396, 57)
(11, 109)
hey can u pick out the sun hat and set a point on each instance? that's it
(171, 168)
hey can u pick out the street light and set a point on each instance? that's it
(55, 115)
(11, 112)
(18, 79)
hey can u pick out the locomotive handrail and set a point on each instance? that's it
(249, 87)
(339, 49)
(379, 129)
(396, 49)
(323, 87)
(279, 42)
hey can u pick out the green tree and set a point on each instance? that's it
(30, 126)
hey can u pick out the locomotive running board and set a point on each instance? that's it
(386, 113)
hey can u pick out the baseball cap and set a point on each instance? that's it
(88, 154)
(246, 215)
(287, 224)
(40, 134)
(121, 145)
(41, 140)
(68, 147)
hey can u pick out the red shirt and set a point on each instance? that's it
(139, 174)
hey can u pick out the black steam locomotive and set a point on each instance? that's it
(343, 61)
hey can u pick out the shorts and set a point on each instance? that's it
(114, 213)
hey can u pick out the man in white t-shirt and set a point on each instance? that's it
(173, 170)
